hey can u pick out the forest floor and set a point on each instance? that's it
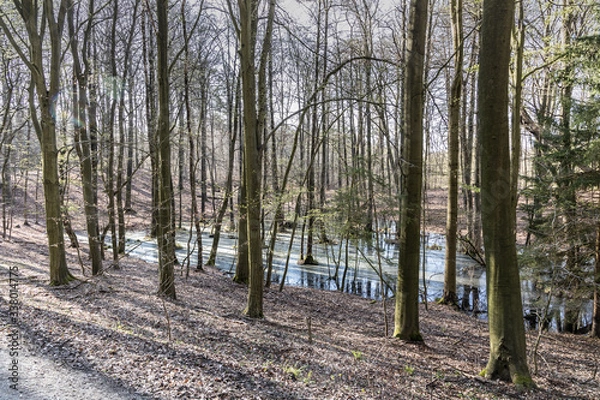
(113, 337)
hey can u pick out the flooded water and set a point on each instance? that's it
(358, 271)
(357, 274)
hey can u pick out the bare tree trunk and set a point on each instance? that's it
(122, 180)
(449, 295)
(109, 142)
(253, 126)
(507, 358)
(7, 134)
(166, 229)
(407, 296)
(130, 148)
(203, 149)
(46, 78)
(232, 124)
(196, 217)
(515, 139)
(149, 77)
(83, 141)
(242, 267)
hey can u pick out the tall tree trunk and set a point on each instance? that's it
(130, 147)
(196, 218)
(567, 193)
(7, 133)
(203, 149)
(507, 359)
(165, 228)
(254, 120)
(515, 139)
(149, 77)
(120, 179)
(407, 292)
(46, 79)
(470, 153)
(83, 143)
(314, 140)
(232, 125)
(449, 295)
(110, 141)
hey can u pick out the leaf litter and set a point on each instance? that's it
(114, 327)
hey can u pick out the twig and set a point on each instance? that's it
(472, 251)
(168, 319)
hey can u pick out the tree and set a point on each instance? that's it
(83, 141)
(253, 93)
(449, 295)
(165, 229)
(40, 18)
(507, 359)
(407, 292)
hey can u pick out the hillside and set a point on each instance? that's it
(115, 330)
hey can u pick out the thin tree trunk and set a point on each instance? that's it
(196, 218)
(242, 267)
(130, 147)
(449, 295)
(149, 77)
(110, 142)
(229, 184)
(84, 145)
(314, 138)
(165, 231)
(519, 37)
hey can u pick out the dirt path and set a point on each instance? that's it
(40, 378)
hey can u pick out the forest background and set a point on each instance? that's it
(98, 96)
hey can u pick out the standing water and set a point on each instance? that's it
(358, 271)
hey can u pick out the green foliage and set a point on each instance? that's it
(297, 374)
(123, 328)
(409, 369)
(560, 213)
(358, 355)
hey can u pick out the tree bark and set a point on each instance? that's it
(407, 292)
(507, 358)
(252, 164)
(254, 120)
(150, 80)
(228, 185)
(83, 142)
(47, 84)
(165, 228)
(449, 295)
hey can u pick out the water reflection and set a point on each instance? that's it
(355, 267)
(352, 267)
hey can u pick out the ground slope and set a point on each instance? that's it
(112, 337)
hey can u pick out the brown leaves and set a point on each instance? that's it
(116, 325)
